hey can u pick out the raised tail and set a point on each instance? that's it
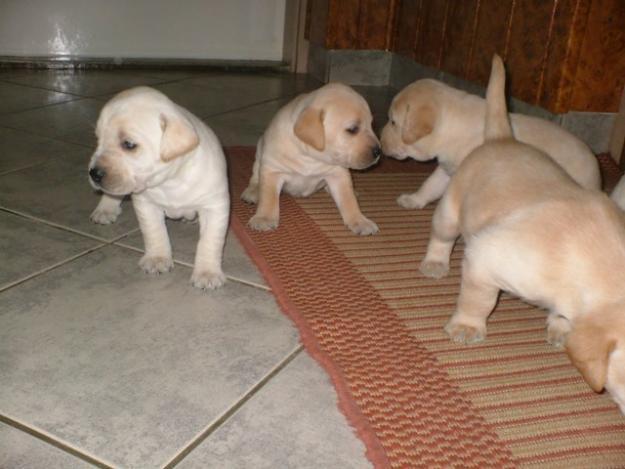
(497, 125)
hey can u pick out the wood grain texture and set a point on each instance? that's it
(459, 34)
(430, 38)
(601, 70)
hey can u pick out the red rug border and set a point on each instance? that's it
(359, 423)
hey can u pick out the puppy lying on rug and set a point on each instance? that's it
(531, 230)
(173, 166)
(311, 143)
(429, 119)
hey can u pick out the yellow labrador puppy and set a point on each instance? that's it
(173, 166)
(530, 229)
(429, 119)
(312, 143)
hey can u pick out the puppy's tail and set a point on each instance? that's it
(497, 125)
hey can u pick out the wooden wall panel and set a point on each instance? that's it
(561, 54)
(601, 69)
(407, 27)
(431, 32)
(490, 36)
(459, 33)
(375, 20)
(569, 24)
(526, 51)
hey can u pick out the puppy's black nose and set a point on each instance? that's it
(96, 174)
(377, 152)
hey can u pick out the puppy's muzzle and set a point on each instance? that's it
(97, 174)
(377, 152)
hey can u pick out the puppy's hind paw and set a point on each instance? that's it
(434, 269)
(464, 333)
(156, 265)
(363, 227)
(260, 223)
(105, 217)
(208, 280)
(410, 201)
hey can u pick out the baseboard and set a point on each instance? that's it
(108, 63)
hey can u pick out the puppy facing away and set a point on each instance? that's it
(172, 164)
(429, 119)
(312, 143)
(531, 230)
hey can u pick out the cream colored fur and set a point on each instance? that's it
(312, 143)
(531, 230)
(429, 119)
(173, 165)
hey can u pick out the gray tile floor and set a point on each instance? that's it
(103, 365)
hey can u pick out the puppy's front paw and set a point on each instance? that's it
(250, 195)
(105, 217)
(558, 328)
(410, 201)
(156, 265)
(464, 333)
(208, 280)
(363, 227)
(260, 223)
(434, 269)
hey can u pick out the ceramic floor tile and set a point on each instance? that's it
(14, 98)
(184, 236)
(292, 422)
(205, 101)
(62, 121)
(266, 85)
(131, 367)
(59, 192)
(19, 149)
(245, 126)
(82, 83)
(27, 247)
(19, 450)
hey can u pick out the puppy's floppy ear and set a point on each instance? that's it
(418, 122)
(589, 347)
(309, 128)
(179, 136)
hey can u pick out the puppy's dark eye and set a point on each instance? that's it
(128, 145)
(352, 130)
(392, 122)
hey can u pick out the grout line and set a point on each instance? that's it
(56, 138)
(213, 426)
(56, 442)
(67, 228)
(50, 267)
(247, 106)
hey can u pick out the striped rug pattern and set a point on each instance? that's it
(376, 325)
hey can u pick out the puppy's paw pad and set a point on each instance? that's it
(409, 201)
(250, 195)
(156, 265)
(434, 269)
(363, 227)
(464, 334)
(208, 280)
(262, 223)
(105, 217)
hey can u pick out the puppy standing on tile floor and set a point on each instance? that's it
(531, 230)
(429, 119)
(311, 143)
(173, 166)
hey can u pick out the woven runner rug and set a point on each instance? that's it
(376, 325)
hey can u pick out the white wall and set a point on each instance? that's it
(190, 29)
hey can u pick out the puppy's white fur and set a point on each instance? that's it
(311, 143)
(173, 165)
(531, 230)
(429, 119)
